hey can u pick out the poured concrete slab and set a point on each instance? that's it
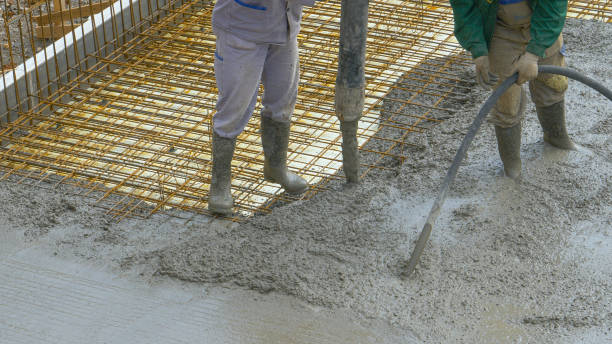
(47, 300)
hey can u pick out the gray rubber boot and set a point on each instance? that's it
(220, 197)
(552, 120)
(350, 151)
(509, 146)
(275, 142)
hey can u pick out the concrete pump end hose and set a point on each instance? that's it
(467, 140)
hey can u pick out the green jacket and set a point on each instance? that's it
(475, 20)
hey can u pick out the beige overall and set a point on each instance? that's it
(510, 38)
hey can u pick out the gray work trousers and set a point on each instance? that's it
(240, 66)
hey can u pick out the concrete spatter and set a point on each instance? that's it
(507, 262)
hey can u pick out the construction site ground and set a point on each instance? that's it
(508, 262)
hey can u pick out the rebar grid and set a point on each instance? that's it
(131, 123)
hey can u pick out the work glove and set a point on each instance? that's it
(527, 67)
(484, 77)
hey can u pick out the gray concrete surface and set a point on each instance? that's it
(50, 300)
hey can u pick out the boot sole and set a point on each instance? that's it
(564, 145)
(221, 211)
(513, 175)
(301, 191)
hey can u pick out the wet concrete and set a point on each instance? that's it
(50, 300)
(508, 261)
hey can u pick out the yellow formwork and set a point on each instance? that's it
(138, 122)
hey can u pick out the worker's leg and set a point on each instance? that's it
(548, 94)
(220, 199)
(238, 67)
(281, 74)
(280, 78)
(509, 109)
(509, 141)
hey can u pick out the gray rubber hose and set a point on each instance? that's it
(465, 144)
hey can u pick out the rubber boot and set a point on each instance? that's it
(509, 146)
(552, 120)
(350, 151)
(220, 197)
(275, 142)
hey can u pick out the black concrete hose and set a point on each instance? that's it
(465, 144)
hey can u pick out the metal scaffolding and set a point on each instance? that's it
(122, 105)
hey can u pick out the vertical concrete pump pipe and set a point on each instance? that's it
(350, 81)
(484, 111)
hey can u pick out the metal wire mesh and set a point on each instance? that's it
(129, 119)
